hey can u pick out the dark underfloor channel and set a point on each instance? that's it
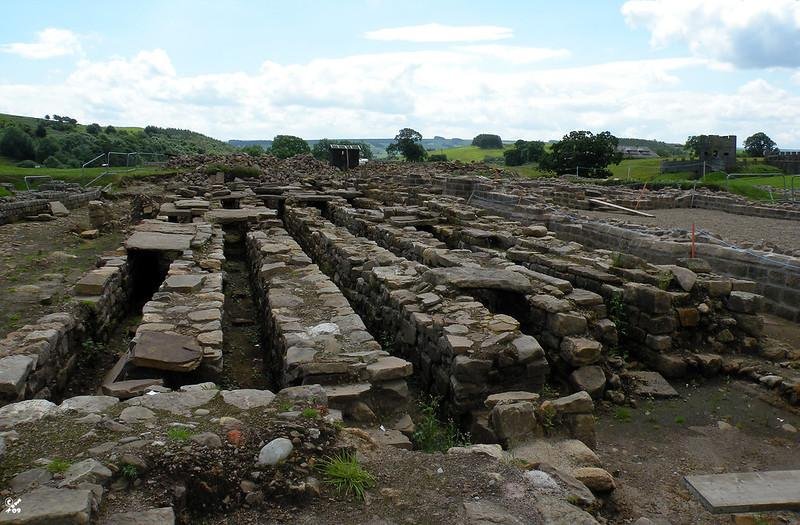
(244, 350)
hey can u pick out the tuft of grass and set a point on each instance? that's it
(179, 433)
(623, 415)
(310, 413)
(345, 474)
(680, 420)
(129, 472)
(285, 406)
(434, 435)
(58, 466)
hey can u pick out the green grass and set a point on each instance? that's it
(623, 415)
(343, 472)
(58, 466)
(310, 413)
(15, 175)
(469, 153)
(179, 433)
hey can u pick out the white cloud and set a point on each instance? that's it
(746, 33)
(49, 43)
(516, 54)
(454, 93)
(440, 33)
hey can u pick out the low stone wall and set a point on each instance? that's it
(37, 360)
(316, 337)
(459, 349)
(570, 323)
(190, 302)
(16, 210)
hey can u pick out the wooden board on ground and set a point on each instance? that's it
(747, 491)
(618, 207)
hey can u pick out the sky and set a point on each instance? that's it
(525, 69)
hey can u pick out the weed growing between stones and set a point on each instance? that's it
(309, 413)
(179, 433)
(433, 435)
(129, 472)
(58, 466)
(623, 415)
(343, 472)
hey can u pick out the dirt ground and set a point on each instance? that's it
(736, 229)
(40, 261)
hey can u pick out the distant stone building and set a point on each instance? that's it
(636, 152)
(718, 151)
(788, 161)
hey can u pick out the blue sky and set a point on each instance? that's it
(524, 69)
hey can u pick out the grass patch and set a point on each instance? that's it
(58, 466)
(469, 153)
(345, 474)
(310, 413)
(623, 415)
(434, 435)
(680, 420)
(129, 472)
(15, 175)
(179, 433)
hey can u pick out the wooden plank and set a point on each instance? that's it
(618, 207)
(747, 491)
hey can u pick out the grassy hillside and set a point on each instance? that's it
(61, 142)
(378, 146)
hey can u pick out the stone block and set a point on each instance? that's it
(471, 370)
(514, 422)
(563, 324)
(591, 379)
(577, 403)
(744, 302)
(688, 317)
(578, 351)
(14, 371)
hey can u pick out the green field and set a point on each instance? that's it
(469, 153)
(9, 172)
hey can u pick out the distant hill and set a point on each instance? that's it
(62, 142)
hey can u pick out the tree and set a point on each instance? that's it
(524, 152)
(17, 144)
(93, 129)
(47, 117)
(46, 147)
(254, 150)
(582, 150)
(285, 146)
(759, 145)
(41, 130)
(110, 129)
(487, 141)
(694, 144)
(408, 144)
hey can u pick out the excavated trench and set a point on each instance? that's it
(98, 350)
(244, 342)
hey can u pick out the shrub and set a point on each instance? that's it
(26, 164)
(93, 129)
(437, 157)
(52, 162)
(344, 473)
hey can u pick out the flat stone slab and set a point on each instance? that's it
(240, 215)
(651, 384)
(162, 516)
(192, 203)
(58, 209)
(163, 351)
(183, 283)
(49, 505)
(131, 387)
(747, 491)
(165, 242)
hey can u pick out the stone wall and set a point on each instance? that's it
(18, 209)
(37, 360)
(315, 336)
(459, 349)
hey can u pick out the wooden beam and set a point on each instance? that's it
(618, 207)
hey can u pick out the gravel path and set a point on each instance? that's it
(736, 229)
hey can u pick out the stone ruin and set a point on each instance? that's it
(369, 292)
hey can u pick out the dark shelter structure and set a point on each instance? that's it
(345, 156)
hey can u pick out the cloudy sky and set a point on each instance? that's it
(523, 69)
